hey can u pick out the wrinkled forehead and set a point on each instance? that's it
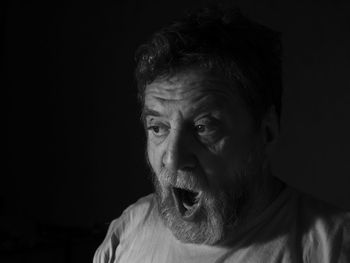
(192, 86)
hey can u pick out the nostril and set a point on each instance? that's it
(181, 161)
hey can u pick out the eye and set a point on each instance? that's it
(207, 128)
(158, 130)
(200, 128)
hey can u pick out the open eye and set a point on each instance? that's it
(201, 128)
(158, 130)
(208, 129)
(205, 128)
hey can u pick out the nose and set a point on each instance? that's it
(179, 154)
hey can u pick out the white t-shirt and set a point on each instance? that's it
(294, 228)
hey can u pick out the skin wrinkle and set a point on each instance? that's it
(227, 169)
(166, 94)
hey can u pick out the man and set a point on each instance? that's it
(210, 87)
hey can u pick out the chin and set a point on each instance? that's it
(198, 213)
(205, 222)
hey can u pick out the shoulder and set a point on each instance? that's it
(326, 229)
(317, 212)
(132, 217)
(136, 214)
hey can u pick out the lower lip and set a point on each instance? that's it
(190, 216)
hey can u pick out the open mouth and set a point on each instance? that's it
(187, 202)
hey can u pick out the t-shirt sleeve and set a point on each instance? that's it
(105, 253)
(120, 228)
(326, 232)
(334, 243)
(345, 248)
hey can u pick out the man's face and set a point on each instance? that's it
(205, 152)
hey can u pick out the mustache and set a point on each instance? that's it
(181, 179)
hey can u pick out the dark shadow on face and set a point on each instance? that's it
(202, 138)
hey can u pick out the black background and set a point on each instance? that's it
(75, 142)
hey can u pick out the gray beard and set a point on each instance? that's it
(222, 210)
(217, 217)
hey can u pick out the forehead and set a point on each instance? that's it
(191, 88)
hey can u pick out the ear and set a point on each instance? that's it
(270, 129)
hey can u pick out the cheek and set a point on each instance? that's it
(214, 161)
(153, 157)
(224, 160)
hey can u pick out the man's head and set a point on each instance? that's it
(210, 87)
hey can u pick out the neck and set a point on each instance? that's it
(262, 196)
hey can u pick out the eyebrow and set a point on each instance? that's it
(148, 112)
